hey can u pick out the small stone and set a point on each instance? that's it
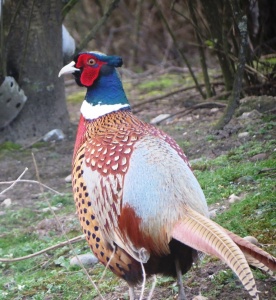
(159, 118)
(254, 114)
(54, 135)
(251, 239)
(245, 180)
(46, 209)
(87, 259)
(214, 110)
(68, 178)
(243, 134)
(233, 198)
(213, 213)
(6, 203)
(200, 297)
(189, 119)
(260, 156)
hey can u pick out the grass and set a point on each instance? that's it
(76, 98)
(50, 276)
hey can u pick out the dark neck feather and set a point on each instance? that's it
(107, 89)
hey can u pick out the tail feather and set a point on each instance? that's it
(255, 252)
(205, 235)
(257, 264)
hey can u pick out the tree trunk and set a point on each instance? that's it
(33, 56)
(218, 26)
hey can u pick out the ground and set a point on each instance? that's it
(193, 131)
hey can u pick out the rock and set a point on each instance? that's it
(159, 118)
(68, 178)
(6, 203)
(245, 180)
(87, 259)
(189, 119)
(200, 297)
(260, 156)
(261, 103)
(243, 135)
(213, 213)
(254, 114)
(54, 135)
(46, 209)
(214, 110)
(251, 239)
(233, 198)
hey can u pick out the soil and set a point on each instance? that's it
(53, 161)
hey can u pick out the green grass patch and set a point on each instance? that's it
(236, 174)
(76, 98)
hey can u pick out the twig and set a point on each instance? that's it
(67, 7)
(186, 111)
(13, 183)
(154, 281)
(162, 97)
(26, 181)
(184, 58)
(73, 240)
(91, 35)
(171, 94)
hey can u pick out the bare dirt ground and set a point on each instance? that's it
(192, 131)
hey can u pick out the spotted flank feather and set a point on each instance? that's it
(118, 261)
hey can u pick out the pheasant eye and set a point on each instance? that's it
(91, 62)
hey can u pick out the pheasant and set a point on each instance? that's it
(139, 204)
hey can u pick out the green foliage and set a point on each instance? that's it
(153, 86)
(9, 146)
(236, 174)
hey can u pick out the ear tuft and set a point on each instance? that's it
(114, 61)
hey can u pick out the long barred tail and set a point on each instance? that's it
(205, 235)
(254, 254)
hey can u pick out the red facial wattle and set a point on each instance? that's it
(90, 66)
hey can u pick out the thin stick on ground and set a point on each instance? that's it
(18, 180)
(71, 241)
(14, 182)
(186, 111)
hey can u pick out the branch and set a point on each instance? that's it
(184, 58)
(233, 102)
(13, 183)
(67, 7)
(18, 180)
(171, 94)
(73, 240)
(91, 35)
(186, 111)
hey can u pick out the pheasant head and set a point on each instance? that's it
(98, 73)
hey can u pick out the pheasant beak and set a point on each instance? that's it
(68, 69)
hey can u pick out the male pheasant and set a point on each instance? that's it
(139, 204)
